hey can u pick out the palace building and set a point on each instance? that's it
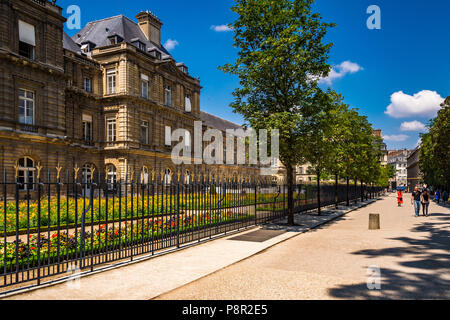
(105, 100)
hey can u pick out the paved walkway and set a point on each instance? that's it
(151, 278)
(332, 262)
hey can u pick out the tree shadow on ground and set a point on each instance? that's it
(426, 275)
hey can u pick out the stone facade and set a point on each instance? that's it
(414, 174)
(82, 104)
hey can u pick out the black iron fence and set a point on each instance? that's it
(53, 226)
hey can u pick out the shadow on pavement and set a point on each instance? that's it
(427, 274)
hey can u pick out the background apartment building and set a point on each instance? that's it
(399, 160)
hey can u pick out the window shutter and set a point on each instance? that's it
(26, 33)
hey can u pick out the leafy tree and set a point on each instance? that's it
(435, 149)
(318, 143)
(280, 58)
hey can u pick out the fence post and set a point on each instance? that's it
(178, 214)
(17, 228)
(256, 201)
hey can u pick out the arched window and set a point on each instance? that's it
(167, 177)
(111, 176)
(26, 174)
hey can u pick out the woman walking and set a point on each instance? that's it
(399, 198)
(425, 202)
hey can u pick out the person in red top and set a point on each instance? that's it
(399, 198)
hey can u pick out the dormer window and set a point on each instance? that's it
(87, 47)
(115, 39)
(183, 68)
(139, 44)
(27, 40)
(155, 53)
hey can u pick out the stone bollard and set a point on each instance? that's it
(374, 221)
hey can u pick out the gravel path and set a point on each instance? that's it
(332, 262)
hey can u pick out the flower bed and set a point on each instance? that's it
(108, 210)
(67, 246)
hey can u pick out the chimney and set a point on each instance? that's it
(151, 26)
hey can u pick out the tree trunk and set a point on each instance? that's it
(356, 191)
(318, 194)
(290, 183)
(348, 192)
(336, 196)
(362, 192)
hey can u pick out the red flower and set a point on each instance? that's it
(54, 236)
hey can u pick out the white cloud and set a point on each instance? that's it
(340, 70)
(396, 138)
(425, 103)
(413, 126)
(221, 28)
(171, 44)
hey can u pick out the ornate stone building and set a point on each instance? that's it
(106, 99)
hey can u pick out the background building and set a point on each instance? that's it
(399, 160)
(106, 100)
(414, 174)
(383, 148)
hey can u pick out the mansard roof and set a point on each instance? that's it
(217, 123)
(69, 44)
(98, 32)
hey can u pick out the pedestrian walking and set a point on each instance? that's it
(437, 196)
(415, 200)
(445, 197)
(425, 202)
(399, 198)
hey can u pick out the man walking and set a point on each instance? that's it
(437, 196)
(445, 197)
(415, 200)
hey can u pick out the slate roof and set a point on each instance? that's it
(98, 32)
(217, 123)
(69, 44)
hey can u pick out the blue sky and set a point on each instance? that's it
(397, 76)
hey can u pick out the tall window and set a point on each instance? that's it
(87, 128)
(111, 129)
(144, 86)
(26, 107)
(187, 102)
(168, 96)
(111, 176)
(87, 173)
(187, 139)
(168, 136)
(145, 175)
(26, 174)
(27, 40)
(88, 84)
(111, 80)
(187, 177)
(144, 132)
